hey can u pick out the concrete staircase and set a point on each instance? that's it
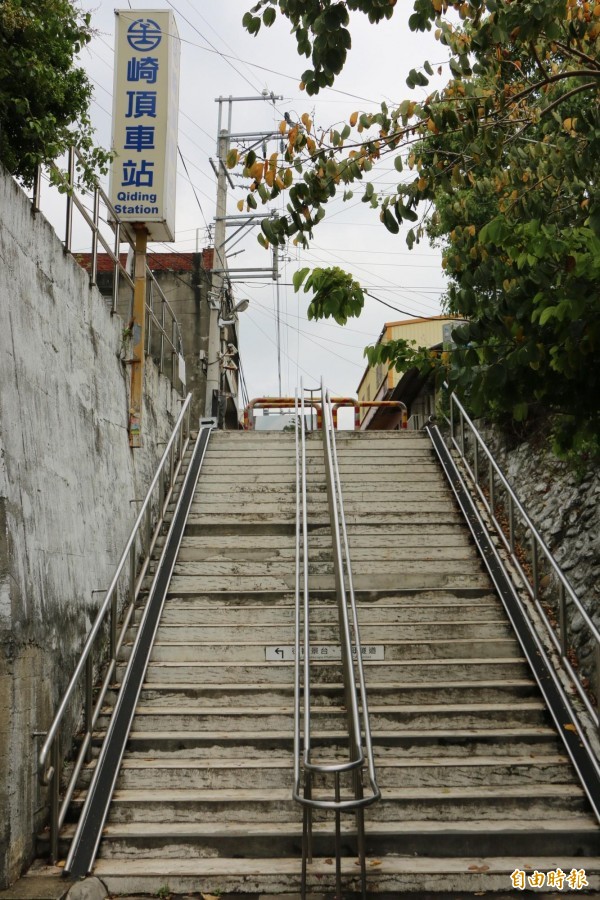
(474, 779)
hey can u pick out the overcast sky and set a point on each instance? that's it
(220, 58)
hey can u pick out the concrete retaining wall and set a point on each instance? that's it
(67, 479)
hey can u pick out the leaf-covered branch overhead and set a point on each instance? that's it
(44, 95)
(506, 153)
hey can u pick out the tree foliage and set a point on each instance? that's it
(500, 166)
(44, 95)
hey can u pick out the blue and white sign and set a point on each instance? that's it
(145, 114)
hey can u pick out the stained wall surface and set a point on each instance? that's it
(67, 482)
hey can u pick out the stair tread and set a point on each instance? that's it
(284, 762)
(289, 865)
(522, 824)
(384, 640)
(146, 710)
(446, 733)
(165, 795)
(334, 686)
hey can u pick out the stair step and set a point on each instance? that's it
(493, 802)
(392, 874)
(416, 742)
(407, 670)
(179, 611)
(223, 696)
(266, 773)
(359, 554)
(383, 718)
(273, 633)
(421, 579)
(230, 568)
(419, 841)
(401, 651)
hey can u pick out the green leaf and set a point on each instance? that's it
(547, 314)
(520, 411)
(390, 222)
(298, 277)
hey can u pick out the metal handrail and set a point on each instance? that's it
(351, 656)
(145, 534)
(170, 332)
(538, 549)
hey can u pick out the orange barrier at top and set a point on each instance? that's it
(337, 402)
(398, 404)
(275, 403)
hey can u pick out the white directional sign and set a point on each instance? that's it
(287, 653)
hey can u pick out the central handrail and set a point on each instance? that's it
(144, 532)
(358, 728)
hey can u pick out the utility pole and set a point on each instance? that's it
(276, 277)
(221, 274)
(213, 374)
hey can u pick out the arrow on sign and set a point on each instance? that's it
(279, 652)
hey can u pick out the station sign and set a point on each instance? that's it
(145, 115)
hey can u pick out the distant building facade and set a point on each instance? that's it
(416, 391)
(185, 280)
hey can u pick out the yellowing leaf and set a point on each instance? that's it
(240, 205)
(256, 171)
(306, 121)
(232, 159)
(353, 119)
(282, 127)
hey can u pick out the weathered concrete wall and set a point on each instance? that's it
(67, 477)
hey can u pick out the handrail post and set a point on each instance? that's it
(562, 618)
(132, 573)
(116, 269)
(94, 254)
(55, 799)
(535, 568)
(88, 705)
(37, 185)
(69, 221)
(161, 364)
(338, 838)
(174, 350)
(113, 626)
(511, 523)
